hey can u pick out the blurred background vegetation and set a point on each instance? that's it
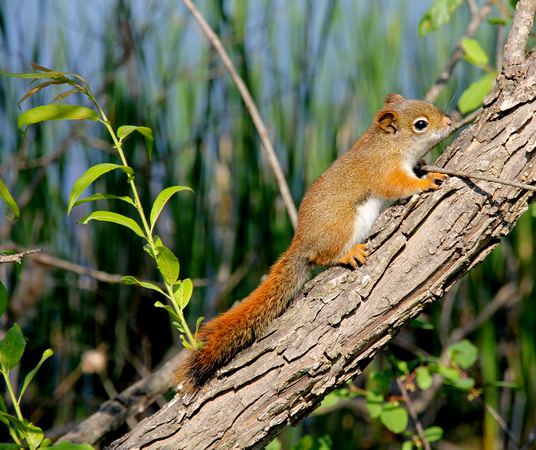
(318, 72)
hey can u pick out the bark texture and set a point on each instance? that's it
(333, 329)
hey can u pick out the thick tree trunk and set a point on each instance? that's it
(333, 329)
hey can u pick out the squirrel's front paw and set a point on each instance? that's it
(436, 180)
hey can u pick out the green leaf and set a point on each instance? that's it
(161, 200)
(473, 97)
(381, 380)
(147, 133)
(8, 199)
(335, 396)
(94, 197)
(374, 402)
(424, 379)
(89, 177)
(12, 446)
(168, 264)
(198, 324)
(437, 16)
(419, 322)
(464, 384)
(68, 446)
(433, 434)
(463, 353)
(108, 216)
(46, 354)
(474, 53)
(3, 298)
(394, 417)
(12, 347)
(188, 288)
(407, 445)
(310, 442)
(450, 374)
(131, 280)
(168, 309)
(402, 366)
(56, 112)
(34, 435)
(274, 445)
(185, 343)
(500, 20)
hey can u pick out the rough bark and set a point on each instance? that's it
(334, 328)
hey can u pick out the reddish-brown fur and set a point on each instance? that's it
(335, 216)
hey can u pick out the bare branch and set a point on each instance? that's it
(17, 257)
(516, 44)
(255, 115)
(413, 414)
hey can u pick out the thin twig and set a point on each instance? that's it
(457, 54)
(17, 257)
(254, 112)
(488, 178)
(413, 414)
(500, 421)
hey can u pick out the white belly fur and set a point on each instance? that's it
(366, 214)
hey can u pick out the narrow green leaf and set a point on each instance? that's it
(147, 133)
(131, 280)
(161, 200)
(52, 75)
(473, 97)
(108, 216)
(89, 177)
(188, 288)
(94, 197)
(463, 353)
(433, 433)
(168, 309)
(474, 53)
(198, 324)
(179, 327)
(8, 199)
(437, 16)
(46, 354)
(8, 418)
(178, 293)
(407, 445)
(12, 347)
(394, 417)
(185, 343)
(68, 446)
(56, 112)
(3, 298)
(168, 264)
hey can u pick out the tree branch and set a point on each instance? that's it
(334, 328)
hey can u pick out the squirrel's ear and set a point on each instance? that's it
(388, 121)
(390, 98)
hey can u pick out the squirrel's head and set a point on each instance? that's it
(414, 125)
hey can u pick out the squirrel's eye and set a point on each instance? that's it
(420, 125)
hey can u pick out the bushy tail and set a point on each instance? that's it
(227, 334)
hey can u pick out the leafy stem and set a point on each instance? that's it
(177, 291)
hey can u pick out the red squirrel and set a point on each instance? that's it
(335, 217)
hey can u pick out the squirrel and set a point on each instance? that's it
(335, 217)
